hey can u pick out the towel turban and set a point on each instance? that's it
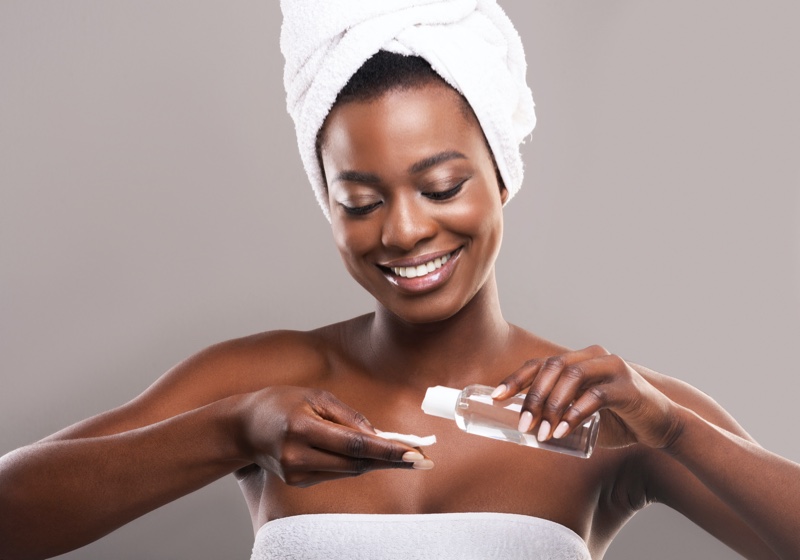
(471, 44)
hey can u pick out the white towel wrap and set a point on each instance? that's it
(470, 43)
(443, 536)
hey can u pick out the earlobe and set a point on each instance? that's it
(503, 194)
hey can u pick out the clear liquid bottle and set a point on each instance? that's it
(477, 413)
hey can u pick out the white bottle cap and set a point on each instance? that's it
(441, 401)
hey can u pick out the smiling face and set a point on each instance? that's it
(415, 202)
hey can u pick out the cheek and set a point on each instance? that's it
(481, 217)
(352, 240)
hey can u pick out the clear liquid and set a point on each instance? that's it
(477, 413)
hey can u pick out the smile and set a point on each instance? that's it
(421, 270)
(422, 274)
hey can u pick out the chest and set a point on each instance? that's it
(471, 473)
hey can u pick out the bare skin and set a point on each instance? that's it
(410, 178)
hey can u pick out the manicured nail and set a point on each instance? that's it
(525, 422)
(544, 430)
(502, 388)
(412, 456)
(424, 465)
(561, 429)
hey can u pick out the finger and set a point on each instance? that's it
(329, 436)
(330, 408)
(304, 479)
(574, 379)
(585, 406)
(518, 380)
(541, 387)
(323, 461)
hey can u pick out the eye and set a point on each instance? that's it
(449, 193)
(359, 210)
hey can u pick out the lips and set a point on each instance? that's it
(422, 273)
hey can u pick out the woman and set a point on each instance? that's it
(410, 179)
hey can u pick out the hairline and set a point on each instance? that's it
(466, 110)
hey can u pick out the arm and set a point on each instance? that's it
(62, 494)
(202, 420)
(697, 458)
(733, 475)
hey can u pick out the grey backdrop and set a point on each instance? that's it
(153, 203)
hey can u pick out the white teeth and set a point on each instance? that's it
(420, 270)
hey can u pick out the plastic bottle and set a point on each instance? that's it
(476, 412)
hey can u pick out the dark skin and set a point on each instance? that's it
(291, 414)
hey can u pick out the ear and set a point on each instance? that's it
(502, 185)
(503, 194)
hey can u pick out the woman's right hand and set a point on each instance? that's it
(307, 436)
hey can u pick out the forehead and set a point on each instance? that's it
(398, 128)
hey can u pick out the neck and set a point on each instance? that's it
(453, 352)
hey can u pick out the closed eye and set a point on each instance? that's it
(359, 210)
(449, 193)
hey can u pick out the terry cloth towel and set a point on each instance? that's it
(444, 536)
(470, 43)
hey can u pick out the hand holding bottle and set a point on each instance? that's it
(562, 391)
(307, 436)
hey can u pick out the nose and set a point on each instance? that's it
(407, 223)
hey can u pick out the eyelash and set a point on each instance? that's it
(435, 196)
(449, 193)
(360, 210)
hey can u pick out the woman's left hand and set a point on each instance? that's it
(565, 390)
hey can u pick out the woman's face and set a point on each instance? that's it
(415, 202)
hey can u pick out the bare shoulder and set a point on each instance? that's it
(243, 365)
(692, 398)
(527, 345)
(224, 369)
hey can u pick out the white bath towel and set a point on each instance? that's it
(470, 43)
(444, 536)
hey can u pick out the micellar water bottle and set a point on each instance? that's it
(476, 412)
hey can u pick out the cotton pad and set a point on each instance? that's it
(408, 439)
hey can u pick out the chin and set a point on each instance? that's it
(424, 310)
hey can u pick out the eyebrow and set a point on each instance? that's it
(418, 167)
(357, 177)
(429, 162)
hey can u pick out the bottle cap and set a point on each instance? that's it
(441, 401)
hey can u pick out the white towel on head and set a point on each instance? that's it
(470, 43)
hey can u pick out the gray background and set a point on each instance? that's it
(153, 203)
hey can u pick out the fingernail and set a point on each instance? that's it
(561, 429)
(544, 431)
(424, 465)
(502, 388)
(412, 456)
(525, 422)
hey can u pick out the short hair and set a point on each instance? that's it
(384, 72)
